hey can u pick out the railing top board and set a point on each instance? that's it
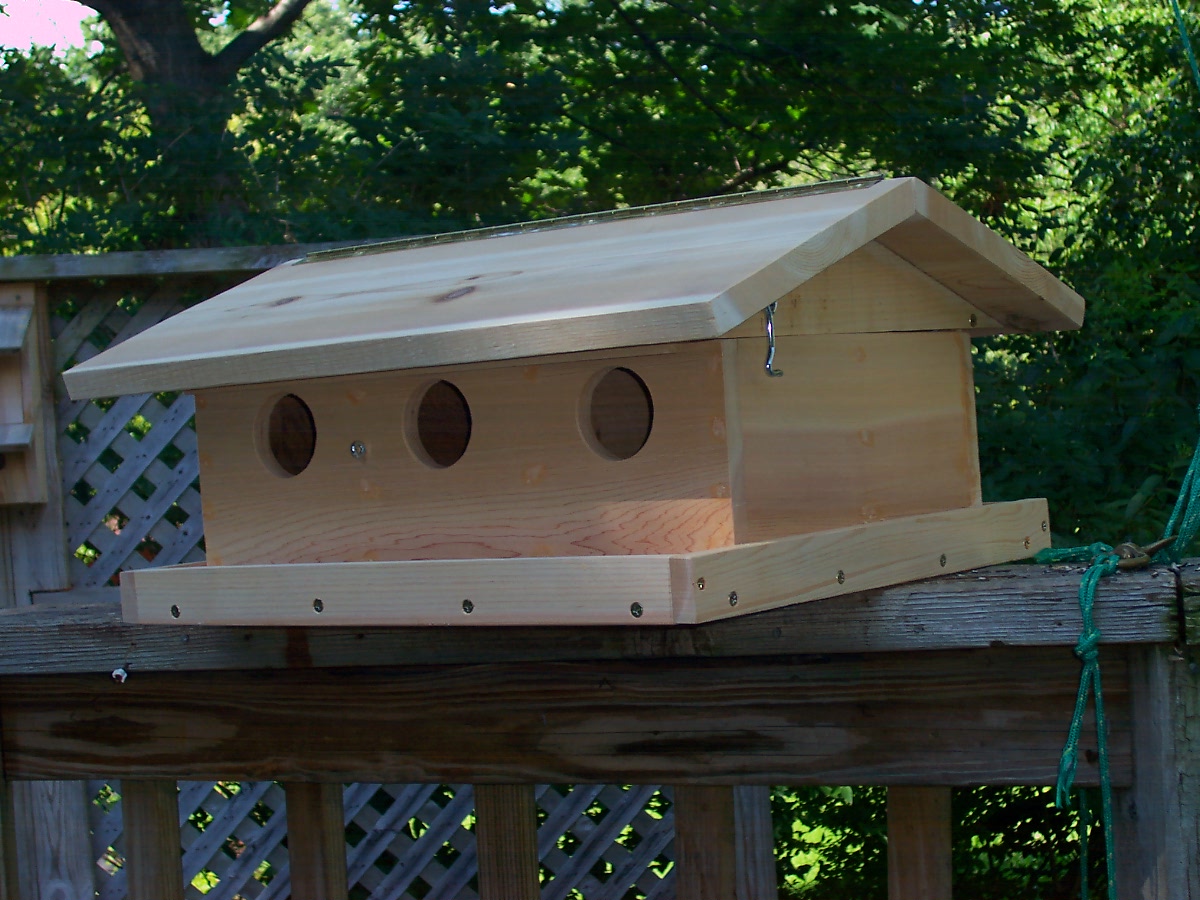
(152, 263)
(1000, 606)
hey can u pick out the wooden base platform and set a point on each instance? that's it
(686, 588)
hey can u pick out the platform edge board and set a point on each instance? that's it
(594, 590)
(718, 584)
(686, 588)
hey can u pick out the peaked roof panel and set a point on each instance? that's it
(683, 274)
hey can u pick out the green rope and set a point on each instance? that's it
(1185, 517)
(1104, 562)
(1187, 42)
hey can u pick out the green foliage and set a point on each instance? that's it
(831, 844)
(1071, 126)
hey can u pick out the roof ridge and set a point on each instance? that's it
(608, 215)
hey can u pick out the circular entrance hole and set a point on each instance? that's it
(440, 425)
(617, 414)
(291, 436)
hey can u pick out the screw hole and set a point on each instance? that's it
(468, 607)
(174, 612)
(318, 605)
(635, 610)
(733, 598)
(841, 577)
(942, 560)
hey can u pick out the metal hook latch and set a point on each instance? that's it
(769, 365)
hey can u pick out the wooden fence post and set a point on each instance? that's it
(150, 813)
(8, 846)
(918, 820)
(506, 842)
(47, 828)
(755, 856)
(1158, 819)
(316, 837)
(705, 842)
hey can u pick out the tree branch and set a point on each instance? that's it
(257, 35)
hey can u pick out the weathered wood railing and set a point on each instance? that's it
(961, 681)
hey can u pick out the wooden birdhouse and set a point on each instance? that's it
(664, 415)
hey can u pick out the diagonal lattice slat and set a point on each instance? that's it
(129, 464)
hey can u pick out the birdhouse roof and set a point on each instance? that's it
(681, 272)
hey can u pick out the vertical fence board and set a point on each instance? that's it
(506, 842)
(316, 841)
(756, 878)
(705, 849)
(1157, 823)
(152, 851)
(918, 822)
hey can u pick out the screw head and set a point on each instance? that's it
(942, 560)
(1045, 526)
(1028, 543)
(174, 611)
(635, 610)
(973, 320)
(358, 449)
(318, 605)
(841, 577)
(733, 598)
(699, 584)
(468, 607)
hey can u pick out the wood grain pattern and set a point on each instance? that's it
(141, 263)
(958, 717)
(47, 836)
(870, 290)
(25, 404)
(705, 843)
(150, 812)
(528, 485)
(9, 886)
(977, 264)
(471, 592)
(754, 835)
(659, 279)
(750, 577)
(1158, 818)
(918, 843)
(52, 840)
(316, 839)
(506, 841)
(1023, 605)
(589, 590)
(859, 428)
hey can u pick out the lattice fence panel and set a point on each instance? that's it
(404, 841)
(129, 464)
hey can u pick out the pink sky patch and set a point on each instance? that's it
(26, 22)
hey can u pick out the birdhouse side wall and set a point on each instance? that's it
(860, 427)
(535, 478)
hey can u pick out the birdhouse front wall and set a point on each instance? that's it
(552, 461)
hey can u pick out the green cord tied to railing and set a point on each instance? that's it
(1104, 561)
